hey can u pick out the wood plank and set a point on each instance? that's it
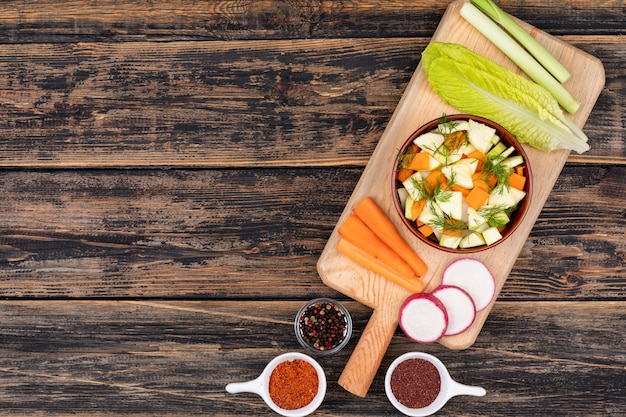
(212, 233)
(69, 21)
(174, 358)
(184, 103)
(259, 103)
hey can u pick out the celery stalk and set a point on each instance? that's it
(519, 56)
(537, 50)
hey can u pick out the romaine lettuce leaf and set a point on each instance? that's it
(476, 85)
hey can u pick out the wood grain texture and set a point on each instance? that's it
(173, 233)
(54, 21)
(161, 357)
(220, 104)
(171, 171)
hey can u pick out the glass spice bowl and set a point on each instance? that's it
(323, 326)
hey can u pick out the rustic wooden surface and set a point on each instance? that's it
(171, 171)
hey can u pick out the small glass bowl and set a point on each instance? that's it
(329, 340)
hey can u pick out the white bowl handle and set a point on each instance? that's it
(456, 388)
(253, 386)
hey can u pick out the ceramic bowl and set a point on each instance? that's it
(508, 140)
(260, 385)
(448, 387)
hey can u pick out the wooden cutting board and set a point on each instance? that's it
(418, 105)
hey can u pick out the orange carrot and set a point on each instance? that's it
(425, 229)
(476, 154)
(484, 181)
(373, 216)
(420, 162)
(436, 177)
(464, 191)
(455, 139)
(517, 181)
(476, 198)
(403, 174)
(355, 231)
(453, 227)
(376, 265)
(417, 208)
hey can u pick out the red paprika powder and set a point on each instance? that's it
(293, 384)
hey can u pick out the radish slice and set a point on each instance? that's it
(472, 276)
(459, 306)
(423, 318)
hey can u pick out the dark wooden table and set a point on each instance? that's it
(170, 173)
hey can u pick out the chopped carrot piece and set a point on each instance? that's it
(404, 174)
(420, 162)
(436, 177)
(453, 227)
(520, 169)
(517, 181)
(481, 181)
(476, 154)
(455, 139)
(426, 230)
(377, 221)
(484, 182)
(476, 198)
(417, 207)
(464, 191)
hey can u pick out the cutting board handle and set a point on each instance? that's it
(361, 368)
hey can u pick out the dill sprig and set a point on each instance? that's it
(434, 191)
(443, 221)
(496, 216)
(446, 126)
(491, 166)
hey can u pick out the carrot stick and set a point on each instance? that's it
(376, 265)
(379, 223)
(354, 230)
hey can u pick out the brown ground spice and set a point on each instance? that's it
(415, 383)
(293, 384)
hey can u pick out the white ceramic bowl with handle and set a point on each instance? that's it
(260, 385)
(448, 389)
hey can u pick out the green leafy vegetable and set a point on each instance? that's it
(541, 54)
(476, 85)
(519, 56)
